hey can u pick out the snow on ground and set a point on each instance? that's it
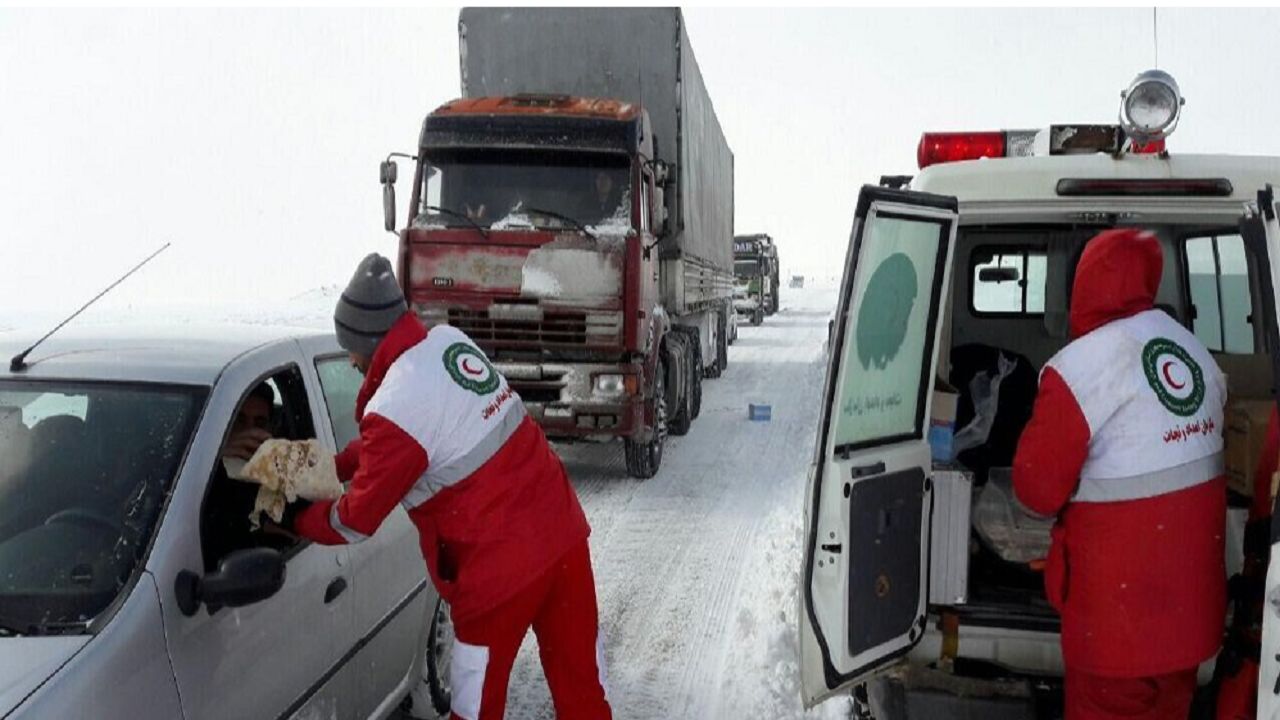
(698, 568)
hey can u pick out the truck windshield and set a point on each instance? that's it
(746, 268)
(84, 471)
(498, 189)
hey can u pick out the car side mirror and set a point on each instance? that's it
(387, 173)
(999, 274)
(244, 577)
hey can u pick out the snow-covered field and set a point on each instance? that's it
(697, 569)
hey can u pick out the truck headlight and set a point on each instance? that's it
(610, 384)
(1149, 108)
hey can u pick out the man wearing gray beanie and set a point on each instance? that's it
(367, 309)
(503, 535)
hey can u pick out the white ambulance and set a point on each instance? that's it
(919, 590)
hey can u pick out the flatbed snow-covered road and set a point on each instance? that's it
(697, 568)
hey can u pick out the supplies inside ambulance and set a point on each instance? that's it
(1245, 434)
(942, 421)
(1004, 525)
(287, 470)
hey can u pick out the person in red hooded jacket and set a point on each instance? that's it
(505, 541)
(1124, 447)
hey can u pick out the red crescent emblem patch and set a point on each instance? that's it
(1168, 378)
(467, 368)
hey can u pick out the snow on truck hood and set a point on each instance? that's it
(571, 267)
(27, 662)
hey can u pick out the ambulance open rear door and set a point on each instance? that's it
(866, 567)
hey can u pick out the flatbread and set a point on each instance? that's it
(288, 470)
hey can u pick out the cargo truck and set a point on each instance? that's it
(755, 269)
(573, 213)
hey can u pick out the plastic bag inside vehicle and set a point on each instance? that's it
(1008, 528)
(984, 390)
(84, 469)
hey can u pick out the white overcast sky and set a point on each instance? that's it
(250, 138)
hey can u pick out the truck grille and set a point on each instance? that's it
(546, 390)
(556, 328)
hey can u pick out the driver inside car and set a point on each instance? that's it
(226, 526)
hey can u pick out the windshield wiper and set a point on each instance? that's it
(461, 216)
(565, 218)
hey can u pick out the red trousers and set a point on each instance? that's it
(560, 606)
(1162, 697)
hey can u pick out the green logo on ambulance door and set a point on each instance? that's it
(886, 310)
(1174, 376)
(470, 369)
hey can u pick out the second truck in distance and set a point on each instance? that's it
(755, 271)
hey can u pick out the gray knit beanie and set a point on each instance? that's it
(369, 306)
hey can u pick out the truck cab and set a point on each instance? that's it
(755, 277)
(920, 586)
(532, 228)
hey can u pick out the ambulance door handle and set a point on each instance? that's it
(336, 588)
(861, 471)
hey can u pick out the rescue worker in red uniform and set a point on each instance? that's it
(1124, 447)
(503, 535)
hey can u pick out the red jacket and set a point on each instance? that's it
(1136, 568)
(442, 434)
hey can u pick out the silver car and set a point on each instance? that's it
(132, 584)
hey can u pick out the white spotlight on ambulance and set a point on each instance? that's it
(1149, 109)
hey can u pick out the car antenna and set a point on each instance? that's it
(19, 361)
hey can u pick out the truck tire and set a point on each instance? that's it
(757, 316)
(678, 411)
(715, 369)
(695, 392)
(644, 458)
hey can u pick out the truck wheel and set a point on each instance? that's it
(695, 393)
(716, 368)
(644, 458)
(439, 654)
(757, 316)
(680, 418)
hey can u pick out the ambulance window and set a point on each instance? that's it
(1008, 281)
(1218, 283)
(886, 359)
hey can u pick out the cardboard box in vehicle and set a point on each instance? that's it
(1245, 434)
(942, 421)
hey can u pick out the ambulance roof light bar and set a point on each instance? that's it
(948, 147)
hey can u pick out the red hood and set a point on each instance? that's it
(1118, 275)
(407, 332)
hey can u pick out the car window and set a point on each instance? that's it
(225, 524)
(1218, 284)
(340, 383)
(84, 471)
(1008, 281)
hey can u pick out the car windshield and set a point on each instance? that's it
(514, 189)
(84, 470)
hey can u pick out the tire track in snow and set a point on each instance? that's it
(674, 555)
